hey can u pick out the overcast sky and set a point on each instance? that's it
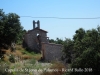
(55, 8)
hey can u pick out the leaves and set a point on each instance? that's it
(87, 51)
(10, 28)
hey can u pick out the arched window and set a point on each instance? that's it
(37, 34)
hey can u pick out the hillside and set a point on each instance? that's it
(22, 62)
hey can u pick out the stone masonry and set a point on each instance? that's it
(51, 51)
(34, 37)
(37, 40)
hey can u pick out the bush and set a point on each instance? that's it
(12, 59)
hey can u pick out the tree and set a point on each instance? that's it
(89, 50)
(58, 41)
(68, 49)
(2, 24)
(21, 36)
(51, 41)
(78, 43)
(10, 28)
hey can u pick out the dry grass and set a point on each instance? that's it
(24, 57)
(19, 47)
(19, 53)
(57, 65)
(6, 58)
(6, 55)
(37, 56)
(8, 52)
(27, 55)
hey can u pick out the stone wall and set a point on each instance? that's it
(52, 52)
(36, 39)
(31, 36)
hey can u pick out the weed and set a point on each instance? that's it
(56, 66)
(12, 59)
(4, 65)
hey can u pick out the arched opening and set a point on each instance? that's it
(37, 34)
(38, 41)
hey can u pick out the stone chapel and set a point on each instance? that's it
(37, 40)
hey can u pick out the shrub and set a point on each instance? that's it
(12, 59)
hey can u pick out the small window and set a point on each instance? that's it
(37, 34)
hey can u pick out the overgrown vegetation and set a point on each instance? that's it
(87, 51)
(10, 29)
(28, 61)
(4, 65)
(83, 51)
(56, 69)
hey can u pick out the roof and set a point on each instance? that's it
(40, 30)
(51, 43)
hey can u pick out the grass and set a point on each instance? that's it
(3, 66)
(6, 58)
(19, 47)
(25, 57)
(21, 52)
(30, 59)
(30, 64)
(56, 69)
(9, 55)
(8, 52)
(28, 55)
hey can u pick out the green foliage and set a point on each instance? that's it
(87, 51)
(51, 41)
(77, 41)
(4, 65)
(20, 37)
(32, 61)
(57, 41)
(68, 48)
(83, 50)
(10, 29)
(12, 59)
